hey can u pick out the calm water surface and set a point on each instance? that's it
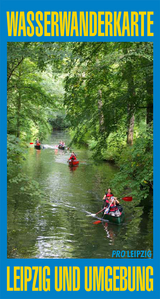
(58, 225)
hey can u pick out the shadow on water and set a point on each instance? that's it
(56, 225)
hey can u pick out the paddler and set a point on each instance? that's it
(73, 156)
(107, 193)
(110, 200)
(37, 142)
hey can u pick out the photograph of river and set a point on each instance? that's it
(97, 99)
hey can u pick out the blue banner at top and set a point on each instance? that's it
(75, 21)
(80, 24)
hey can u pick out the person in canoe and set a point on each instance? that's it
(73, 156)
(110, 201)
(37, 142)
(108, 192)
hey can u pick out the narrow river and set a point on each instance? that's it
(58, 225)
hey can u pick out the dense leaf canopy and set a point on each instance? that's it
(102, 91)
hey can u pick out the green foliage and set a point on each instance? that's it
(35, 94)
(102, 91)
(109, 95)
(136, 166)
(26, 186)
(106, 85)
(15, 153)
(16, 150)
(35, 98)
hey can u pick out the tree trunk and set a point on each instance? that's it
(130, 130)
(100, 109)
(18, 115)
(19, 104)
(149, 88)
(128, 73)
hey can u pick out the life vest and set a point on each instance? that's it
(72, 157)
(112, 207)
(109, 194)
(107, 201)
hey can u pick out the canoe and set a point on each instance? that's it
(37, 146)
(116, 216)
(73, 162)
(60, 146)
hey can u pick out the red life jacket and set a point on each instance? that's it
(72, 157)
(107, 201)
(112, 207)
(109, 194)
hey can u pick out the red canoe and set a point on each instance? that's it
(73, 162)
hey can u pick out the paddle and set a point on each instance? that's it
(127, 198)
(106, 212)
(93, 215)
(100, 211)
(97, 222)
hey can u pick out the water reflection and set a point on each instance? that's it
(109, 233)
(73, 168)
